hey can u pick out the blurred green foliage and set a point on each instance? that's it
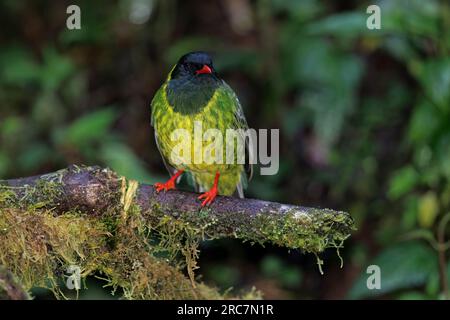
(364, 117)
(418, 266)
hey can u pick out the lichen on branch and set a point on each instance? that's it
(133, 237)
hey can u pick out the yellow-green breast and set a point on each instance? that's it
(220, 112)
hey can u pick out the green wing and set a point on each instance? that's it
(226, 93)
(159, 102)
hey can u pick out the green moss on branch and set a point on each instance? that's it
(92, 218)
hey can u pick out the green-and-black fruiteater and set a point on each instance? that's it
(193, 93)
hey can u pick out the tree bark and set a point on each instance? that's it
(94, 190)
(10, 289)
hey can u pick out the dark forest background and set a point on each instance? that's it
(364, 118)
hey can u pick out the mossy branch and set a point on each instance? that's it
(94, 190)
(10, 289)
(95, 219)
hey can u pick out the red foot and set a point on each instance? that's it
(210, 195)
(170, 184)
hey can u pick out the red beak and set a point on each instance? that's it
(204, 69)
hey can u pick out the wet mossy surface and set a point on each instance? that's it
(146, 258)
(144, 262)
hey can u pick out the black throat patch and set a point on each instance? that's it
(189, 95)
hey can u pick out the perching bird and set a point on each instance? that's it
(193, 93)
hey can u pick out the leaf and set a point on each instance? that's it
(409, 215)
(328, 79)
(291, 277)
(425, 121)
(17, 66)
(413, 295)
(35, 155)
(48, 109)
(433, 285)
(11, 127)
(403, 181)
(242, 60)
(223, 275)
(273, 267)
(428, 209)
(76, 88)
(443, 154)
(97, 28)
(403, 266)
(298, 10)
(56, 68)
(407, 18)
(434, 76)
(89, 128)
(399, 47)
(121, 159)
(344, 24)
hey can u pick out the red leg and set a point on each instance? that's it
(210, 195)
(170, 184)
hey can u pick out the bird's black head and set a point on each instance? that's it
(194, 64)
(192, 83)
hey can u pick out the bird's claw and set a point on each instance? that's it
(208, 197)
(169, 185)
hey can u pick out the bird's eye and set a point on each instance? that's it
(194, 67)
(198, 67)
